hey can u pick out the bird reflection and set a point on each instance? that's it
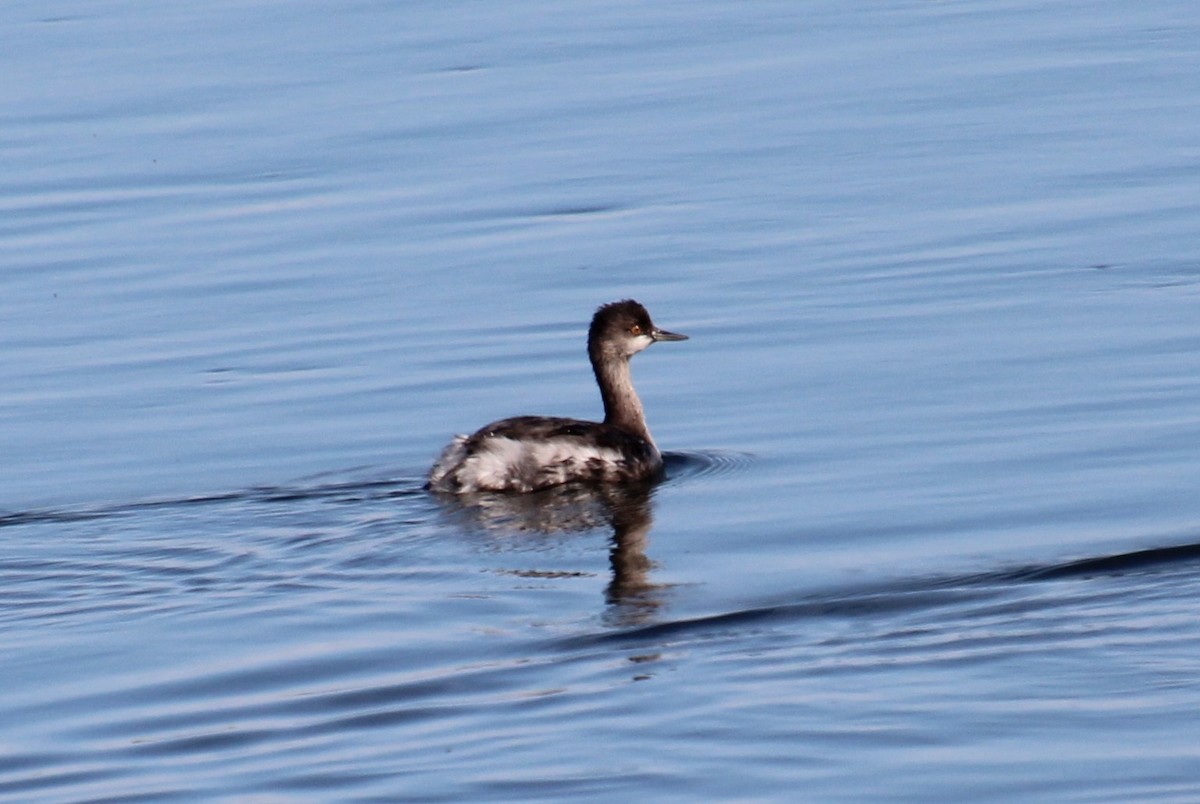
(626, 509)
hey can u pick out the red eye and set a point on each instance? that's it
(635, 330)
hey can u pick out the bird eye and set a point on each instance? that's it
(635, 330)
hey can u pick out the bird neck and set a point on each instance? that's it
(622, 407)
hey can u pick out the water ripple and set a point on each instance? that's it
(690, 465)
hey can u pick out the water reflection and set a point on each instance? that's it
(627, 510)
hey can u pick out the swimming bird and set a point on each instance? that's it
(528, 453)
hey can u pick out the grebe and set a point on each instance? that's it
(527, 453)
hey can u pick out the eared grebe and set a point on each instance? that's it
(527, 453)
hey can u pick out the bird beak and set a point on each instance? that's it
(663, 335)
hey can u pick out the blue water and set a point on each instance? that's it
(931, 524)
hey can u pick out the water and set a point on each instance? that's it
(930, 524)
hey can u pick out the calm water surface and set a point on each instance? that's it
(931, 526)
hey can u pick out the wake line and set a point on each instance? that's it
(914, 595)
(355, 491)
(1119, 564)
